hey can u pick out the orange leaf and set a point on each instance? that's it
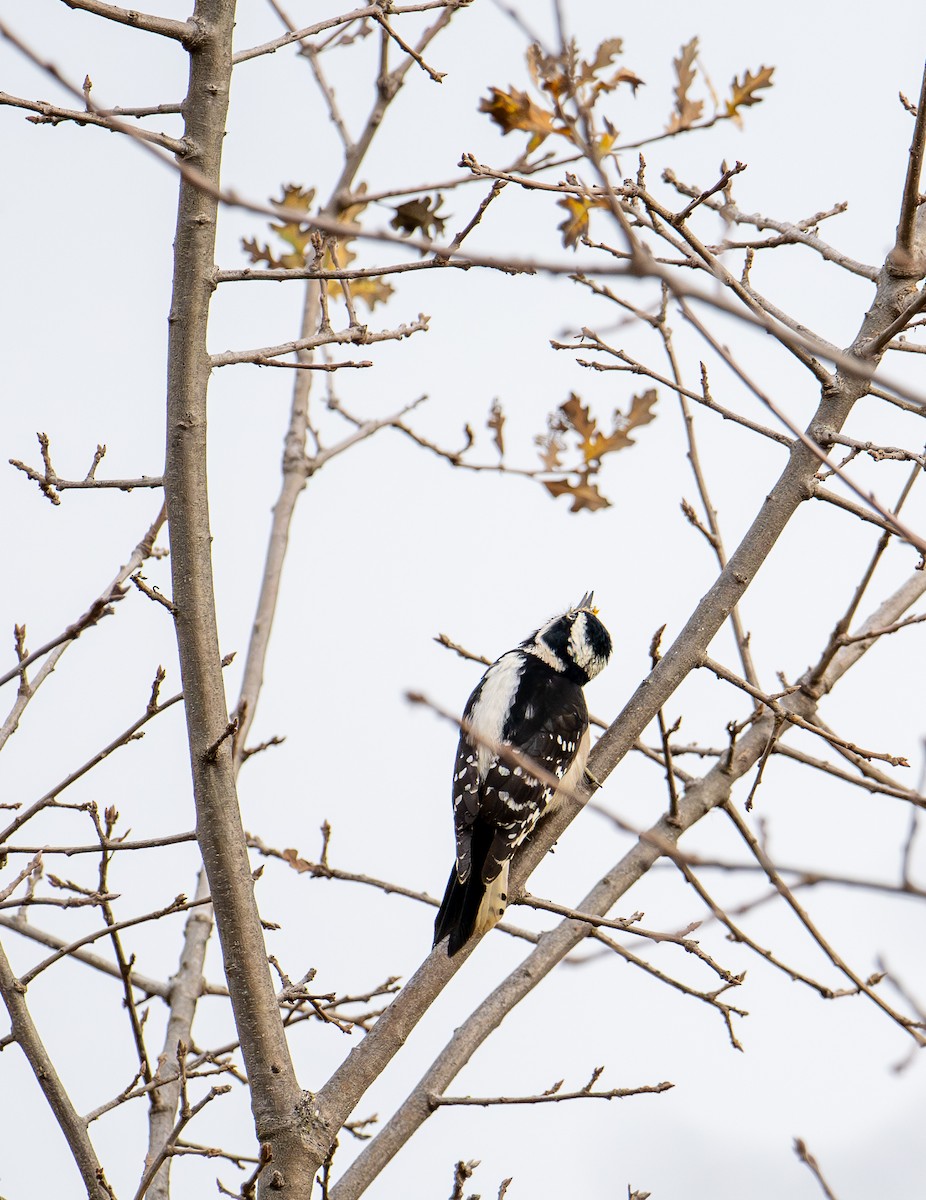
(579, 417)
(641, 413)
(743, 94)
(297, 863)
(583, 494)
(516, 110)
(687, 111)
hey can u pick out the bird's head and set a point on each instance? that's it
(575, 643)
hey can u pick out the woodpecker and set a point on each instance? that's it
(530, 700)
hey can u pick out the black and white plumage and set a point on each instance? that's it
(531, 699)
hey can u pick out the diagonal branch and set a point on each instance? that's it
(58, 646)
(73, 1128)
(700, 798)
(185, 32)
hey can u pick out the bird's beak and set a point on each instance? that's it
(587, 602)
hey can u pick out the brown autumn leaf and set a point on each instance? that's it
(623, 75)
(496, 423)
(297, 863)
(420, 215)
(579, 418)
(293, 233)
(547, 71)
(583, 493)
(743, 94)
(687, 111)
(608, 138)
(640, 413)
(371, 290)
(337, 256)
(550, 447)
(590, 74)
(575, 226)
(264, 256)
(604, 56)
(516, 110)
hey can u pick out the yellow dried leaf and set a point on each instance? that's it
(516, 110)
(547, 71)
(743, 94)
(606, 52)
(641, 409)
(258, 253)
(298, 864)
(371, 291)
(624, 75)
(583, 494)
(337, 256)
(641, 413)
(294, 232)
(550, 447)
(608, 138)
(590, 74)
(579, 418)
(687, 111)
(576, 224)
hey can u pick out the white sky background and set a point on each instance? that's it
(390, 546)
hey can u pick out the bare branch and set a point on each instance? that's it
(905, 249)
(142, 551)
(549, 1098)
(26, 1035)
(185, 32)
(358, 335)
(800, 1149)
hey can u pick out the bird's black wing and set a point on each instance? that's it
(548, 730)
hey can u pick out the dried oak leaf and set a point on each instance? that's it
(687, 111)
(547, 71)
(294, 233)
(496, 423)
(420, 214)
(338, 255)
(259, 254)
(575, 226)
(370, 290)
(583, 494)
(743, 94)
(297, 863)
(608, 138)
(550, 445)
(516, 110)
(578, 418)
(604, 56)
(589, 74)
(558, 74)
(641, 413)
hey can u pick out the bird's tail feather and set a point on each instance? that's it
(472, 906)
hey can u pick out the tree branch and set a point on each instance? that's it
(275, 1093)
(387, 1036)
(27, 1037)
(185, 32)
